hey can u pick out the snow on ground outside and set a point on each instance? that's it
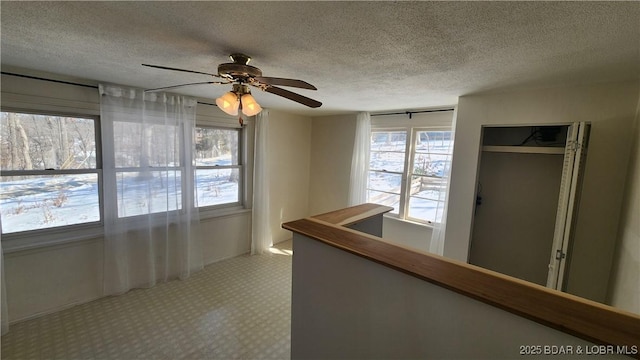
(39, 202)
(431, 156)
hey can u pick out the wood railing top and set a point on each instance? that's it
(354, 214)
(589, 320)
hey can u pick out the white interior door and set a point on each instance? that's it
(575, 151)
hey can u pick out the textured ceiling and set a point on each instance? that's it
(373, 56)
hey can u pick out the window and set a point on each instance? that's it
(217, 176)
(50, 171)
(148, 174)
(408, 169)
(386, 168)
(218, 166)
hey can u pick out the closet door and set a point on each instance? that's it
(517, 199)
(575, 152)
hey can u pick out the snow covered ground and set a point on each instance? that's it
(39, 202)
(430, 165)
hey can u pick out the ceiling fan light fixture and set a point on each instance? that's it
(229, 103)
(250, 106)
(242, 75)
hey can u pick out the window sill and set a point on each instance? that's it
(49, 238)
(395, 218)
(211, 214)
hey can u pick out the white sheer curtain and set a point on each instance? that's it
(437, 237)
(360, 160)
(261, 237)
(151, 218)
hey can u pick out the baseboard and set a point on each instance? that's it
(52, 310)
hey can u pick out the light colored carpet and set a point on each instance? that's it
(234, 309)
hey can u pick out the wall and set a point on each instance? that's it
(611, 110)
(331, 149)
(625, 276)
(514, 226)
(404, 233)
(48, 279)
(289, 152)
(383, 313)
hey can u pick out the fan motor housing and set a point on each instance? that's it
(238, 70)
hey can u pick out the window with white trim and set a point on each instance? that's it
(218, 166)
(51, 171)
(148, 173)
(408, 170)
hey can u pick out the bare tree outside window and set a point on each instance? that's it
(218, 175)
(50, 171)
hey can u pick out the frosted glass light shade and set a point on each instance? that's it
(228, 103)
(250, 106)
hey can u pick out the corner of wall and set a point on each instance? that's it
(624, 281)
(332, 140)
(289, 151)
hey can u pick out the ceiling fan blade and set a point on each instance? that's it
(293, 96)
(285, 82)
(183, 70)
(176, 86)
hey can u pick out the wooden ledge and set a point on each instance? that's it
(586, 319)
(354, 214)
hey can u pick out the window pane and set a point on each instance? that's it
(422, 209)
(141, 193)
(38, 142)
(144, 145)
(41, 202)
(384, 198)
(216, 146)
(438, 142)
(217, 186)
(425, 194)
(385, 182)
(388, 141)
(388, 150)
(384, 189)
(432, 156)
(428, 187)
(389, 161)
(431, 164)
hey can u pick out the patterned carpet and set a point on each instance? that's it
(234, 309)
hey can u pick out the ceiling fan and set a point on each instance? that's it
(242, 75)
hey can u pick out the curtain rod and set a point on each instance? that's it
(50, 80)
(410, 113)
(68, 83)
